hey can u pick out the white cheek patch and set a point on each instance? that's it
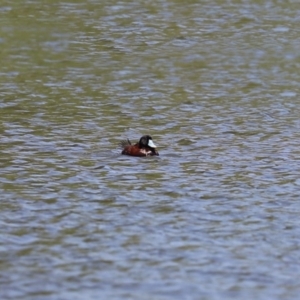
(151, 144)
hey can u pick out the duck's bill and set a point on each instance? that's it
(151, 144)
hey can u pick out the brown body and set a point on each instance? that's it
(141, 148)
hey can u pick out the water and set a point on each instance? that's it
(215, 216)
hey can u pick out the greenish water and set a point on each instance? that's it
(215, 216)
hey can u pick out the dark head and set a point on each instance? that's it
(147, 142)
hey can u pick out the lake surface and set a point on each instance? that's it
(216, 85)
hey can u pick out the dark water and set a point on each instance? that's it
(215, 216)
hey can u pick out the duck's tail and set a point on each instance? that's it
(124, 143)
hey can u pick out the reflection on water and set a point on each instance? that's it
(215, 216)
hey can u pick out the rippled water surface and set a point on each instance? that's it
(215, 216)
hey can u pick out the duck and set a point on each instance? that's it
(145, 147)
